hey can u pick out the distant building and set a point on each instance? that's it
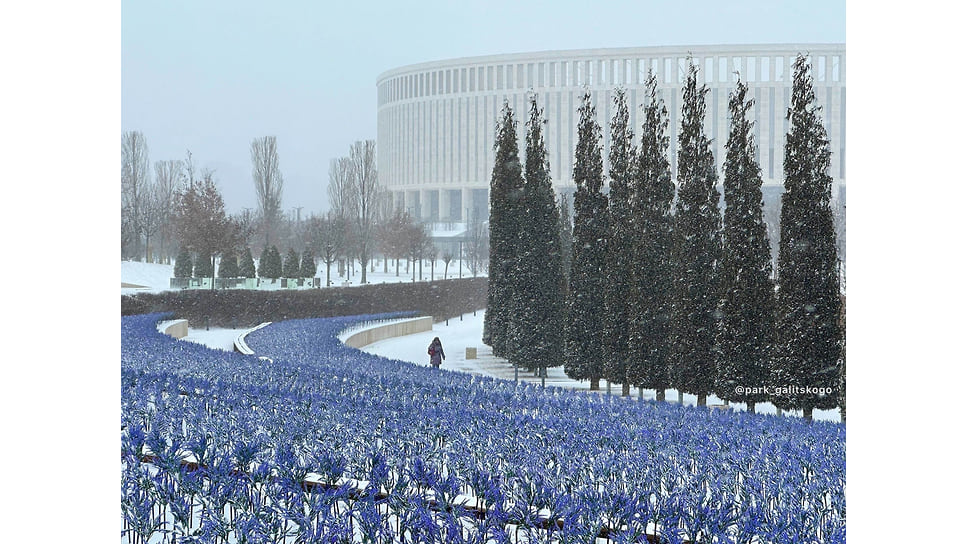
(436, 120)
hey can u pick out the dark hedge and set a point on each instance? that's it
(237, 308)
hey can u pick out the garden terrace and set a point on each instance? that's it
(394, 447)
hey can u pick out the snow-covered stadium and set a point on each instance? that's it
(436, 120)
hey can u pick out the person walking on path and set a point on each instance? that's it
(436, 352)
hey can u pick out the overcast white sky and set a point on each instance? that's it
(211, 76)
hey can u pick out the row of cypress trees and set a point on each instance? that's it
(231, 265)
(664, 289)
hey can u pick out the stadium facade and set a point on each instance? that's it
(436, 120)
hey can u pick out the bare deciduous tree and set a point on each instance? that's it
(476, 246)
(384, 216)
(327, 236)
(168, 182)
(341, 201)
(365, 191)
(150, 217)
(268, 183)
(135, 190)
(246, 225)
(418, 243)
(340, 187)
(446, 257)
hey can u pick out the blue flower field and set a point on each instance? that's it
(313, 441)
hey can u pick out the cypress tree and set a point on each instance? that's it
(564, 228)
(228, 266)
(203, 266)
(507, 187)
(183, 264)
(583, 340)
(651, 245)
(696, 249)
(307, 266)
(270, 263)
(275, 263)
(810, 333)
(264, 259)
(246, 264)
(291, 267)
(618, 312)
(535, 331)
(746, 335)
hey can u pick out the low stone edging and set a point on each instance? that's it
(390, 330)
(240, 344)
(176, 328)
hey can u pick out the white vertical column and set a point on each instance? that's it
(465, 203)
(444, 202)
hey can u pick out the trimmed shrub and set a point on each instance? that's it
(229, 265)
(291, 268)
(247, 264)
(203, 266)
(183, 264)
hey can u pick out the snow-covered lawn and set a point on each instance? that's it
(138, 277)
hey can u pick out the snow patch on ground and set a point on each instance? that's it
(155, 278)
(149, 277)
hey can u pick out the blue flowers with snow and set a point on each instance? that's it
(326, 443)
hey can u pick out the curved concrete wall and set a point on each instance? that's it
(177, 328)
(390, 330)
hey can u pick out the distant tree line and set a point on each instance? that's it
(664, 287)
(180, 217)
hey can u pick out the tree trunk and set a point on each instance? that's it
(701, 399)
(750, 406)
(680, 396)
(660, 395)
(625, 390)
(594, 385)
(327, 273)
(808, 413)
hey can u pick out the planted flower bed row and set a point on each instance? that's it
(412, 454)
